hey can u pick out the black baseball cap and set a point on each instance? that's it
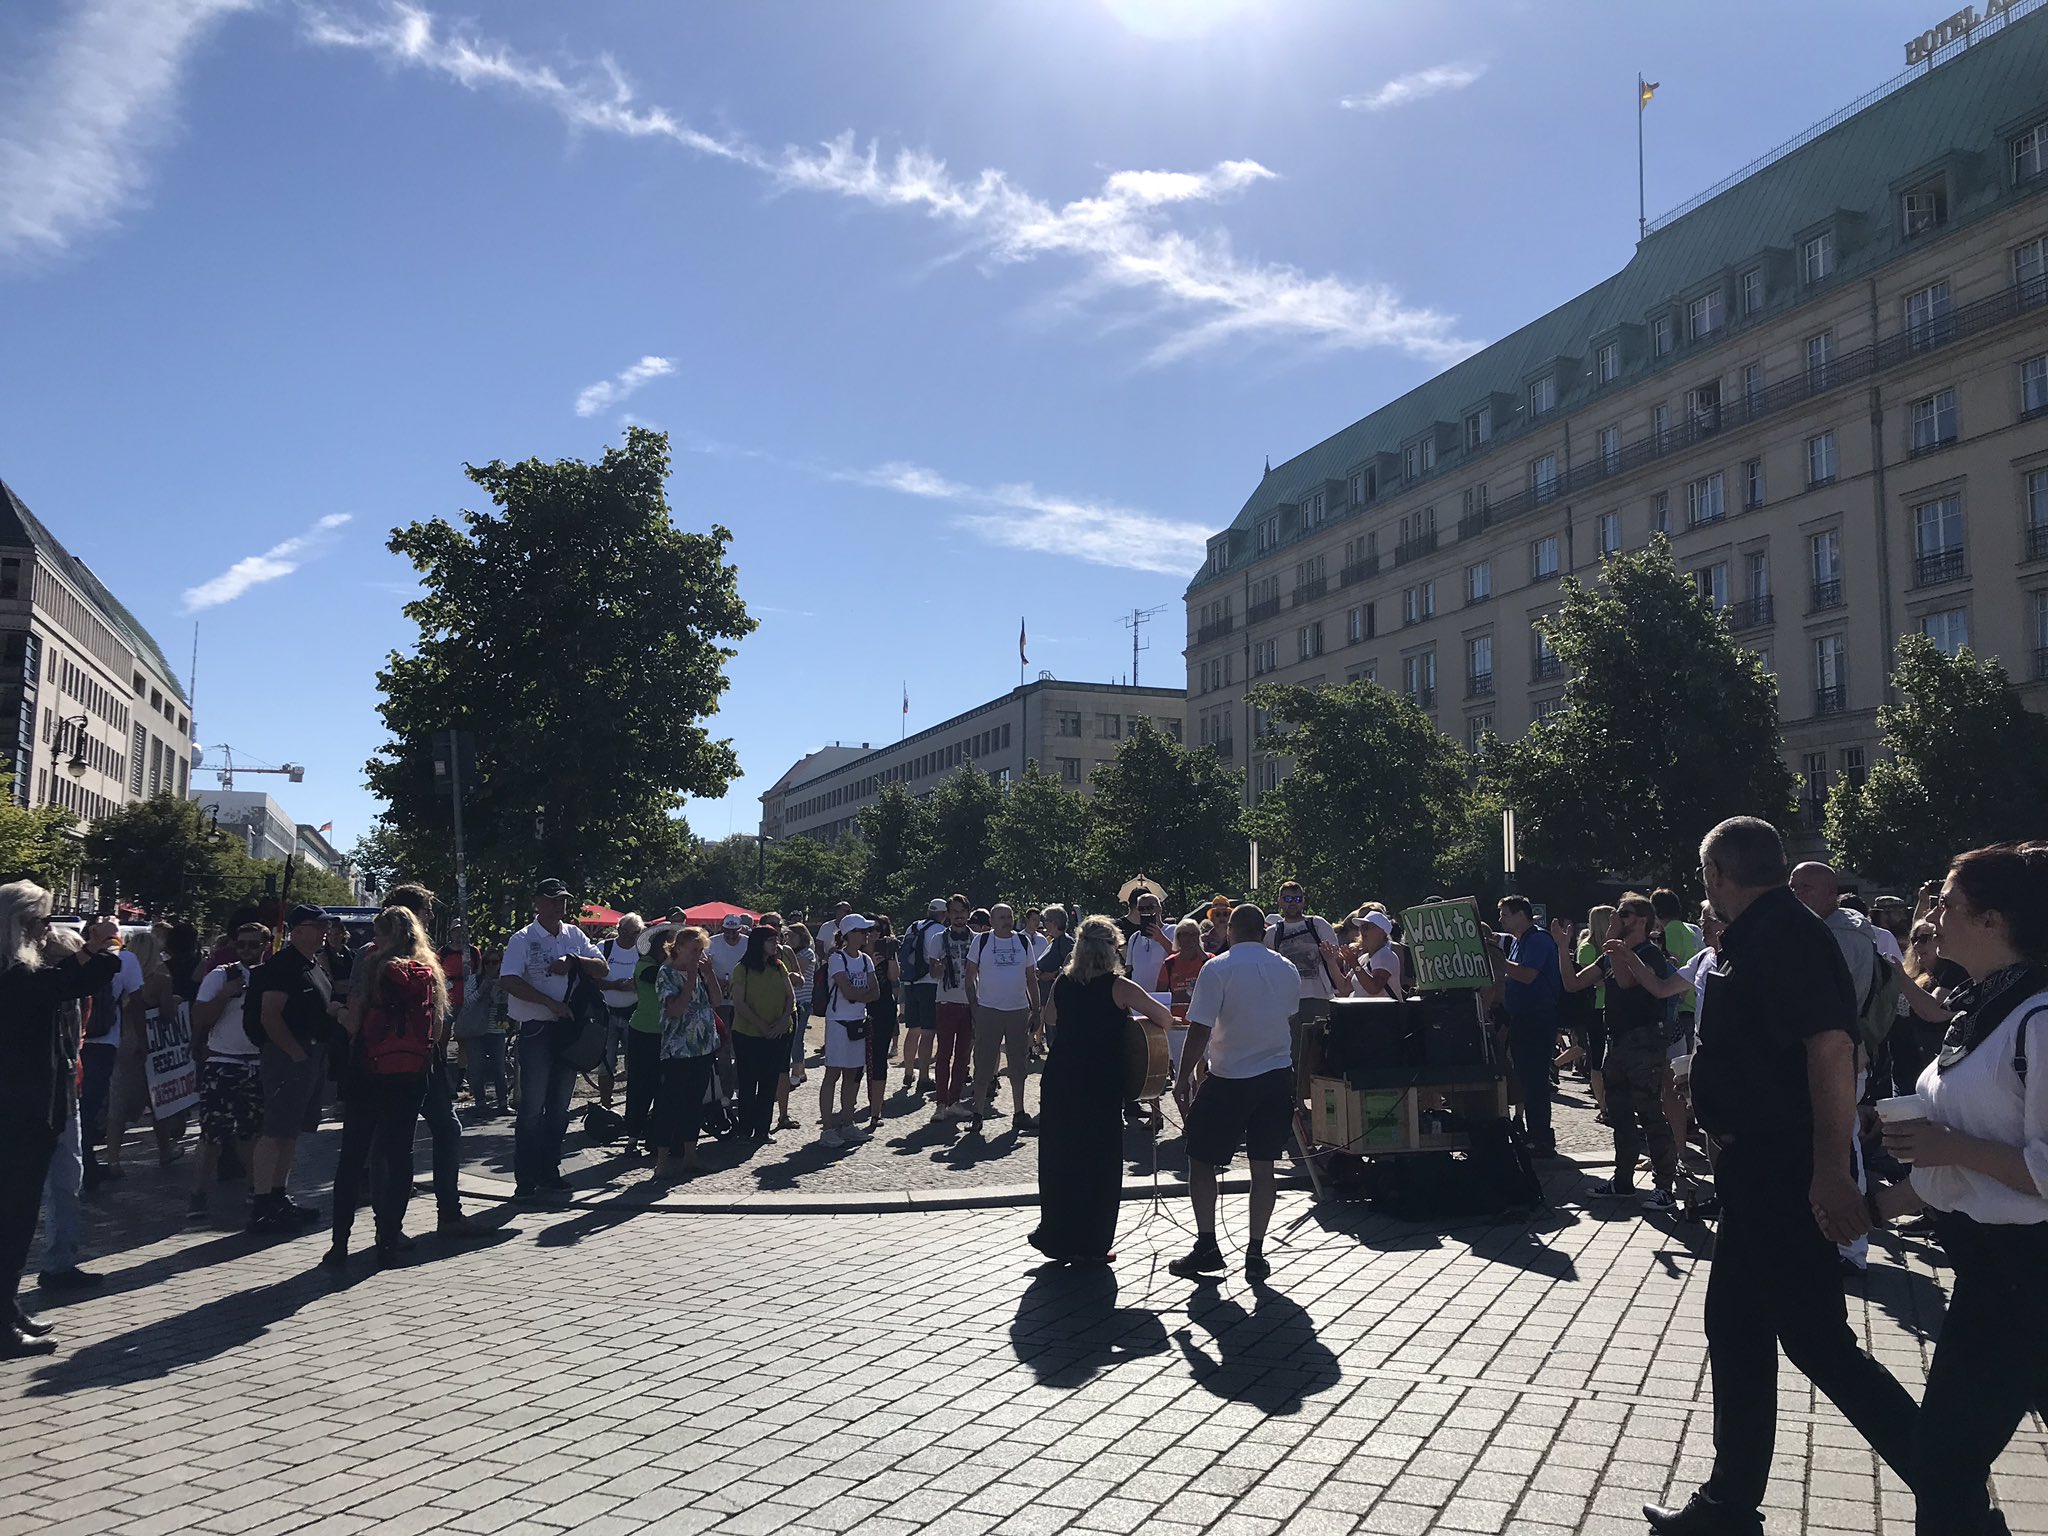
(303, 913)
(551, 888)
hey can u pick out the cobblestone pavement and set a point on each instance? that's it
(612, 1369)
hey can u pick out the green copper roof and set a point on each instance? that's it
(21, 527)
(1957, 115)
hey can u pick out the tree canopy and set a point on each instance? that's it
(1967, 766)
(1169, 812)
(1038, 841)
(36, 842)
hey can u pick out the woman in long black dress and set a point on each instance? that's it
(1081, 1113)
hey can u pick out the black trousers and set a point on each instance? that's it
(25, 1147)
(1990, 1366)
(377, 1118)
(1776, 1280)
(760, 1064)
(679, 1105)
(643, 1076)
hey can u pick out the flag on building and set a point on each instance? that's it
(326, 826)
(1645, 89)
(906, 698)
(1022, 659)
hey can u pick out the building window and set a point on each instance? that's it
(1933, 421)
(1312, 510)
(1545, 663)
(1927, 316)
(1478, 428)
(1756, 576)
(1607, 363)
(1753, 484)
(1948, 629)
(1820, 459)
(2030, 271)
(1660, 426)
(1820, 351)
(1070, 722)
(1608, 528)
(1479, 581)
(1921, 210)
(1703, 316)
(1711, 581)
(1543, 477)
(2040, 636)
(1478, 666)
(1830, 675)
(1753, 291)
(2037, 515)
(1660, 336)
(1265, 657)
(1752, 387)
(1543, 557)
(1364, 486)
(1825, 551)
(1308, 640)
(1703, 501)
(1070, 770)
(1418, 677)
(1418, 603)
(1358, 623)
(1610, 449)
(1938, 541)
(1660, 512)
(1817, 256)
(2030, 153)
(2034, 385)
(1543, 395)
(1109, 727)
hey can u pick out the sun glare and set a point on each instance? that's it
(1174, 18)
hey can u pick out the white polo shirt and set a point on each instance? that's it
(529, 953)
(1246, 995)
(227, 1037)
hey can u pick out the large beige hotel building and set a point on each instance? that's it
(1825, 381)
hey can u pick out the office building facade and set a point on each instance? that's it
(1826, 383)
(1068, 729)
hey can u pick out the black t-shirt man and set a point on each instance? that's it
(307, 992)
(1636, 1007)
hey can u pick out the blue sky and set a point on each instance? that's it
(956, 312)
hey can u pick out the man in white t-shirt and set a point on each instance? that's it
(828, 931)
(1238, 1019)
(1310, 945)
(946, 951)
(1148, 944)
(230, 1084)
(534, 977)
(1002, 974)
(725, 951)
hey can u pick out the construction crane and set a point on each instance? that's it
(227, 770)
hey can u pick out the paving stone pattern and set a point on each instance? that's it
(612, 1370)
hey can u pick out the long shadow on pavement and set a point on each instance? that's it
(1268, 1357)
(1069, 1329)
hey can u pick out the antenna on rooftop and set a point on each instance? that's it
(1135, 622)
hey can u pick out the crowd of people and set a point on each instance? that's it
(1838, 1064)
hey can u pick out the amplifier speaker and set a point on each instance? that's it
(1372, 1034)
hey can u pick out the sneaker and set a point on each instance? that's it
(270, 1223)
(830, 1137)
(458, 1225)
(69, 1279)
(335, 1258)
(1660, 1200)
(1615, 1189)
(1256, 1267)
(1204, 1259)
(525, 1192)
(855, 1132)
(304, 1215)
(994, 1111)
(1703, 1517)
(1025, 1125)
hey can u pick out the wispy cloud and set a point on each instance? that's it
(278, 561)
(79, 114)
(606, 393)
(1119, 239)
(1019, 516)
(1418, 85)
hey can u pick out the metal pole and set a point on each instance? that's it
(1642, 202)
(455, 796)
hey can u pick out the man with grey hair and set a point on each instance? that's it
(1003, 979)
(1773, 1081)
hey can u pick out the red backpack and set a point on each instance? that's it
(398, 1025)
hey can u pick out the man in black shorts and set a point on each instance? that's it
(1238, 1027)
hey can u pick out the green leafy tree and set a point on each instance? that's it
(1377, 800)
(958, 856)
(896, 835)
(1667, 727)
(803, 873)
(1168, 812)
(165, 855)
(1968, 766)
(579, 635)
(1038, 841)
(36, 842)
(381, 853)
(724, 870)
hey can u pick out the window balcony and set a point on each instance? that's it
(1827, 594)
(1473, 523)
(1830, 700)
(1358, 571)
(1265, 610)
(1702, 519)
(1545, 668)
(1479, 685)
(1225, 749)
(1310, 591)
(1937, 566)
(2037, 542)
(1925, 446)
(1215, 630)
(1415, 548)
(1424, 697)
(1750, 613)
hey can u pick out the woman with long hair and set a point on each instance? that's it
(37, 1081)
(1925, 982)
(763, 1003)
(128, 1096)
(882, 1016)
(1081, 1098)
(690, 997)
(396, 1013)
(1979, 1154)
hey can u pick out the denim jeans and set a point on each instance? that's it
(60, 1190)
(1532, 1047)
(487, 1066)
(545, 1085)
(438, 1110)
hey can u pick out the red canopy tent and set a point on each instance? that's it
(712, 913)
(601, 917)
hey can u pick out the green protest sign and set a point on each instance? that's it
(1448, 945)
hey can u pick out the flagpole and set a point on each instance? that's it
(1642, 202)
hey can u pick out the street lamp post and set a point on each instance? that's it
(761, 842)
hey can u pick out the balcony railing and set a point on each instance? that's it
(1750, 613)
(1310, 591)
(1924, 446)
(1358, 570)
(1479, 685)
(1827, 594)
(1472, 523)
(1831, 700)
(2041, 663)
(1704, 516)
(1424, 696)
(1262, 610)
(1544, 668)
(1215, 629)
(1938, 566)
(1225, 749)
(2037, 542)
(1415, 548)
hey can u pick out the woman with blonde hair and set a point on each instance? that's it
(1080, 1149)
(396, 1018)
(36, 1082)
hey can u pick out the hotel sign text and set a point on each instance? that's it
(1957, 28)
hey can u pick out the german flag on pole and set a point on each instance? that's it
(1645, 91)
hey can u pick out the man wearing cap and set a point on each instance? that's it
(920, 991)
(535, 979)
(293, 1004)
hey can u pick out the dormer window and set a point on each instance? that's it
(1704, 315)
(1753, 291)
(1365, 485)
(2030, 153)
(1312, 510)
(1418, 459)
(1219, 555)
(1543, 395)
(1817, 257)
(1607, 363)
(1922, 209)
(1478, 428)
(1660, 336)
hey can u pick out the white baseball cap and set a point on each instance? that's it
(936, 904)
(732, 921)
(1381, 921)
(853, 922)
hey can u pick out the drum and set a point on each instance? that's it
(1146, 1062)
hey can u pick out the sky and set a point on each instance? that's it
(960, 316)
